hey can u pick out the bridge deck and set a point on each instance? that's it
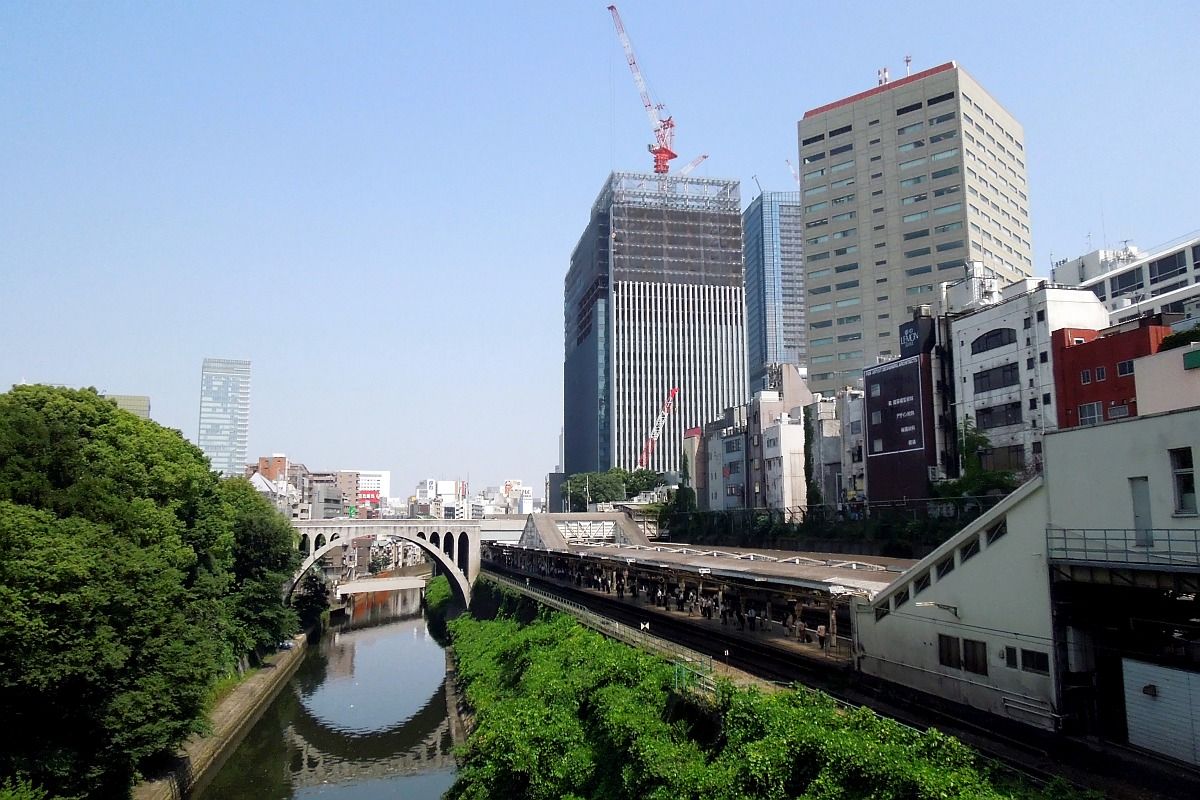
(379, 585)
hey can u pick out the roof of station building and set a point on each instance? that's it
(836, 573)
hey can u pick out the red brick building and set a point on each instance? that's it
(1093, 370)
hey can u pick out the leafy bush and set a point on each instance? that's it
(564, 712)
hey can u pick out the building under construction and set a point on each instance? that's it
(653, 301)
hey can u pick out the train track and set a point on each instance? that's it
(1034, 757)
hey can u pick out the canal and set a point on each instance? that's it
(364, 717)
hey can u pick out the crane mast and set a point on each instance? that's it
(660, 422)
(664, 129)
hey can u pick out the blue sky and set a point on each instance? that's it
(376, 202)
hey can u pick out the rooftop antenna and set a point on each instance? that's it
(882, 74)
(756, 183)
(907, 65)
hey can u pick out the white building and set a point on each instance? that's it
(1131, 283)
(1067, 596)
(783, 456)
(1168, 380)
(375, 480)
(854, 465)
(825, 447)
(1004, 362)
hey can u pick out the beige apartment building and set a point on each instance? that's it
(902, 185)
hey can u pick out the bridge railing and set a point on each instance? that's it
(691, 668)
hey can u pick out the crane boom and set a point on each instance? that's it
(660, 422)
(664, 129)
(695, 162)
(795, 175)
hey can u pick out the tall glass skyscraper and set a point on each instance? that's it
(653, 302)
(773, 248)
(225, 413)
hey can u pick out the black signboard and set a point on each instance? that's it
(916, 337)
(894, 407)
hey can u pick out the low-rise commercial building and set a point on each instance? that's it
(1071, 604)
(1131, 283)
(1093, 370)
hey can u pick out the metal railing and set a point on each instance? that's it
(691, 668)
(1159, 548)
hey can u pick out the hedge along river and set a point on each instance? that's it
(364, 717)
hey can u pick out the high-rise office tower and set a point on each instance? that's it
(773, 245)
(903, 184)
(653, 302)
(138, 404)
(225, 413)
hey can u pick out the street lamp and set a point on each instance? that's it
(944, 606)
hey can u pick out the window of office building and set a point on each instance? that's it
(997, 378)
(1168, 267)
(1085, 377)
(1125, 367)
(974, 656)
(949, 651)
(1090, 413)
(997, 337)
(997, 416)
(1035, 661)
(1184, 476)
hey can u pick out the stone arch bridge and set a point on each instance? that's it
(453, 545)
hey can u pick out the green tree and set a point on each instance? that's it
(642, 480)
(1180, 339)
(976, 479)
(310, 598)
(264, 559)
(612, 486)
(124, 590)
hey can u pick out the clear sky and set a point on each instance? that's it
(376, 202)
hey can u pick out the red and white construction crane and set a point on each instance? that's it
(695, 162)
(656, 431)
(661, 122)
(795, 175)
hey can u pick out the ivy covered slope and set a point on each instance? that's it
(131, 578)
(562, 712)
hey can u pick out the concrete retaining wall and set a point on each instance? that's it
(232, 717)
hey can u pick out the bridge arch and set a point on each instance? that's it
(464, 552)
(459, 563)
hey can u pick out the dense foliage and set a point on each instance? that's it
(131, 579)
(1180, 339)
(562, 712)
(438, 595)
(613, 486)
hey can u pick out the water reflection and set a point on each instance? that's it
(364, 717)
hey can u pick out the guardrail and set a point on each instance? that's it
(1161, 548)
(691, 667)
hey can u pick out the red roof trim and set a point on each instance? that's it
(854, 98)
(690, 432)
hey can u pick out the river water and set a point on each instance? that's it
(365, 716)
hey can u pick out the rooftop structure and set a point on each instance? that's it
(1130, 282)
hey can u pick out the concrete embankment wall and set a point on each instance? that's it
(232, 717)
